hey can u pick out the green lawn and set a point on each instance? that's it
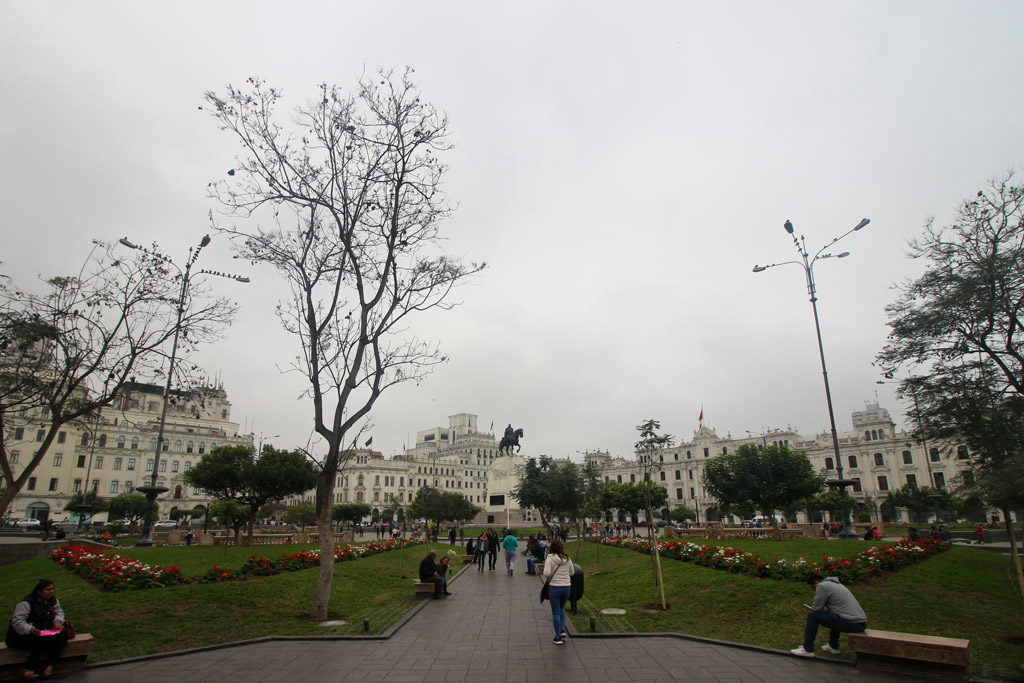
(137, 622)
(961, 593)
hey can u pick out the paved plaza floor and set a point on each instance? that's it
(492, 629)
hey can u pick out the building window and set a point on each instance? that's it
(689, 455)
(679, 475)
(53, 484)
(117, 463)
(852, 459)
(174, 466)
(19, 433)
(127, 487)
(619, 478)
(883, 483)
(149, 465)
(131, 464)
(632, 478)
(99, 462)
(940, 480)
(912, 480)
(120, 441)
(705, 452)
(829, 465)
(879, 460)
(78, 486)
(57, 458)
(881, 433)
(14, 457)
(113, 487)
(202, 447)
(85, 438)
(961, 453)
(31, 486)
(61, 437)
(359, 496)
(679, 494)
(908, 458)
(376, 480)
(856, 484)
(163, 465)
(81, 461)
(103, 441)
(177, 447)
(188, 447)
(867, 435)
(933, 453)
(135, 443)
(166, 446)
(725, 450)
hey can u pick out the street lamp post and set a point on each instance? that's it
(807, 263)
(152, 490)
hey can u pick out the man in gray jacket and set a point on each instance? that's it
(835, 608)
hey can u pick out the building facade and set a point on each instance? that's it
(115, 452)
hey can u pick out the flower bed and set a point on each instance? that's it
(868, 563)
(258, 565)
(114, 572)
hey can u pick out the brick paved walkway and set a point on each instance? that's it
(492, 629)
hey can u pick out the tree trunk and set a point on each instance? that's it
(1014, 555)
(656, 558)
(324, 493)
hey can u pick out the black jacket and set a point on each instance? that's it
(427, 569)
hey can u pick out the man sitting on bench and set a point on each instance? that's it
(835, 608)
(430, 574)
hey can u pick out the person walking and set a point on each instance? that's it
(558, 571)
(510, 543)
(492, 549)
(834, 607)
(451, 536)
(481, 551)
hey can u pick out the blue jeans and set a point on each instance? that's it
(530, 562)
(480, 555)
(558, 596)
(836, 625)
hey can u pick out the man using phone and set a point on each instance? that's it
(835, 608)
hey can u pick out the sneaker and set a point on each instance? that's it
(801, 652)
(558, 641)
(829, 649)
(563, 635)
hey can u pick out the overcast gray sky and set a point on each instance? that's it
(620, 166)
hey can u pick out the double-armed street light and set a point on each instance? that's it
(152, 490)
(807, 263)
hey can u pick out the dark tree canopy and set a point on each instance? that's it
(350, 512)
(550, 488)
(235, 473)
(768, 478)
(130, 507)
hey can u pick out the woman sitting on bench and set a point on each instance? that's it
(38, 626)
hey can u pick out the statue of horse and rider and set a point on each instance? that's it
(510, 441)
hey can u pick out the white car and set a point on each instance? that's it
(165, 524)
(29, 523)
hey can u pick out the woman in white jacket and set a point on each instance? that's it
(558, 567)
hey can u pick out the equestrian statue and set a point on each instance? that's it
(510, 441)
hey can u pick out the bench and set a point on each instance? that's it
(423, 589)
(468, 559)
(72, 659)
(909, 653)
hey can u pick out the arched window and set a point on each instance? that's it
(85, 438)
(202, 447)
(103, 441)
(120, 441)
(177, 447)
(177, 491)
(135, 443)
(188, 447)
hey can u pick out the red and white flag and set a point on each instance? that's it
(700, 420)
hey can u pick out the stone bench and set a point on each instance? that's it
(912, 654)
(423, 589)
(72, 659)
(468, 559)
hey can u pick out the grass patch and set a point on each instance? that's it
(137, 622)
(960, 593)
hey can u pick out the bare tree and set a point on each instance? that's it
(350, 186)
(69, 350)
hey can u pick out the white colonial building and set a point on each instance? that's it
(116, 452)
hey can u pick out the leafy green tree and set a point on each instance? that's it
(350, 512)
(435, 506)
(232, 514)
(769, 478)
(130, 507)
(681, 513)
(832, 502)
(958, 329)
(920, 502)
(303, 514)
(551, 488)
(85, 505)
(649, 448)
(235, 473)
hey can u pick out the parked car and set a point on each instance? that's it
(661, 523)
(165, 524)
(29, 523)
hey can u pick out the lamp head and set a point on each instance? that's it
(758, 269)
(203, 242)
(843, 255)
(125, 242)
(863, 222)
(789, 227)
